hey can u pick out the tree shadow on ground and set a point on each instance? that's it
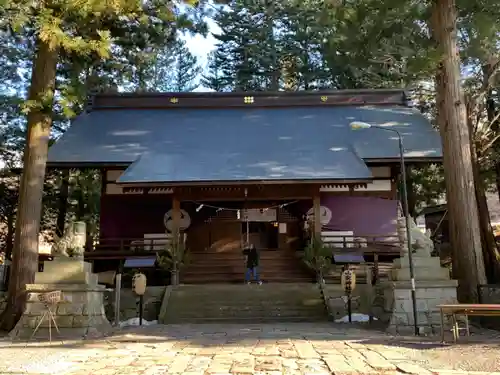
(217, 335)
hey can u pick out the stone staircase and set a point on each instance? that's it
(276, 266)
(298, 302)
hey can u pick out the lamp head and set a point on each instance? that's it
(355, 125)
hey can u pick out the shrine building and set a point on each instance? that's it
(224, 168)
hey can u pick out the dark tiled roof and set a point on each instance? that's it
(264, 142)
(277, 164)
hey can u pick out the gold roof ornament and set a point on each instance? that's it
(174, 100)
(324, 98)
(248, 100)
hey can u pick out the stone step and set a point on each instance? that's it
(242, 267)
(247, 320)
(223, 311)
(250, 308)
(256, 288)
(247, 305)
(263, 254)
(239, 268)
(212, 263)
(261, 303)
(241, 263)
(238, 278)
(247, 290)
(212, 281)
(210, 267)
(274, 258)
(230, 313)
(242, 303)
(251, 297)
(304, 316)
(193, 303)
(251, 290)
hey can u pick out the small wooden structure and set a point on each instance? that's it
(465, 310)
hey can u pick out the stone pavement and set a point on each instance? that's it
(273, 349)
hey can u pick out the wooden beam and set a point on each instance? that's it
(176, 224)
(262, 193)
(317, 215)
(255, 193)
(174, 100)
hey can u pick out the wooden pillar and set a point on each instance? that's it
(317, 215)
(176, 219)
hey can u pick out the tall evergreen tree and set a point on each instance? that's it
(168, 66)
(249, 46)
(369, 43)
(468, 262)
(214, 78)
(55, 27)
(186, 70)
(303, 33)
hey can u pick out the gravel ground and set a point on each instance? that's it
(480, 352)
(472, 357)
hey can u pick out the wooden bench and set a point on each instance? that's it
(465, 310)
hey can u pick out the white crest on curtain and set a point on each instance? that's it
(185, 220)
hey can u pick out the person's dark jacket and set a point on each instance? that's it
(252, 256)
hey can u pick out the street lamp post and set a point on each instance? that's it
(363, 125)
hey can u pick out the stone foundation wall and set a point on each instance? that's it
(81, 308)
(129, 303)
(365, 300)
(429, 294)
(490, 294)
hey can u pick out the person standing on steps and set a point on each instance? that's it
(252, 263)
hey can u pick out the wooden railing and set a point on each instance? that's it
(372, 245)
(114, 248)
(389, 244)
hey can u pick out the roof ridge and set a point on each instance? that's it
(114, 100)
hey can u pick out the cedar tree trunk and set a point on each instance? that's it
(489, 246)
(490, 251)
(491, 111)
(25, 255)
(468, 263)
